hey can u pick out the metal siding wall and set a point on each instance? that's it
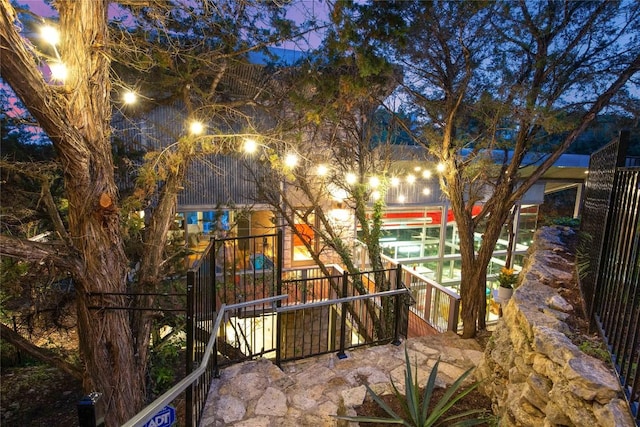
(218, 180)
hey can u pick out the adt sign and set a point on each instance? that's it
(164, 418)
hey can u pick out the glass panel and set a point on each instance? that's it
(528, 223)
(411, 234)
(451, 271)
(427, 269)
(452, 240)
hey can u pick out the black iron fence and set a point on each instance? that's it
(611, 229)
(311, 312)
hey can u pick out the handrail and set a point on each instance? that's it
(432, 282)
(316, 304)
(150, 410)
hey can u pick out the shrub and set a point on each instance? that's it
(418, 411)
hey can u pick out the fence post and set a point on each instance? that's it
(190, 338)
(398, 314)
(279, 263)
(90, 413)
(343, 317)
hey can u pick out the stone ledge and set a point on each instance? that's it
(532, 371)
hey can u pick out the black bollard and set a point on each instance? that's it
(89, 411)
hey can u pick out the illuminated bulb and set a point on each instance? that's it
(411, 179)
(401, 199)
(58, 71)
(395, 181)
(374, 182)
(322, 170)
(351, 178)
(441, 167)
(417, 168)
(50, 35)
(129, 97)
(291, 160)
(375, 195)
(196, 128)
(426, 174)
(250, 146)
(426, 191)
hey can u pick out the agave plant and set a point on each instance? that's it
(416, 408)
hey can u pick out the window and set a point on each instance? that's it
(303, 235)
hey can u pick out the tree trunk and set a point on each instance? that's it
(76, 116)
(106, 341)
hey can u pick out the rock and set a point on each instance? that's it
(354, 396)
(254, 422)
(590, 379)
(615, 414)
(553, 344)
(556, 415)
(230, 409)
(273, 402)
(558, 303)
(534, 374)
(303, 402)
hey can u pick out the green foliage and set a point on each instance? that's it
(418, 411)
(583, 259)
(163, 362)
(567, 222)
(595, 348)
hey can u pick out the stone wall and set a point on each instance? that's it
(533, 372)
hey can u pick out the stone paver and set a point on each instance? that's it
(313, 391)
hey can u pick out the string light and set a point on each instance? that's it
(322, 170)
(401, 198)
(375, 195)
(374, 182)
(196, 127)
(411, 179)
(426, 174)
(441, 167)
(395, 181)
(291, 160)
(351, 178)
(250, 146)
(59, 71)
(129, 97)
(426, 191)
(50, 35)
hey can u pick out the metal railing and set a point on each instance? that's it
(200, 373)
(331, 327)
(324, 313)
(435, 305)
(361, 316)
(229, 271)
(611, 220)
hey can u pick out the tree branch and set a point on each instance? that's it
(60, 254)
(589, 116)
(50, 205)
(42, 354)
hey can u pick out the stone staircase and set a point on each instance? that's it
(311, 392)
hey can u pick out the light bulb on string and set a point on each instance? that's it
(129, 97)
(291, 160)
(50, 35)
(196, 127)
(59, 71)
(250, 146)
